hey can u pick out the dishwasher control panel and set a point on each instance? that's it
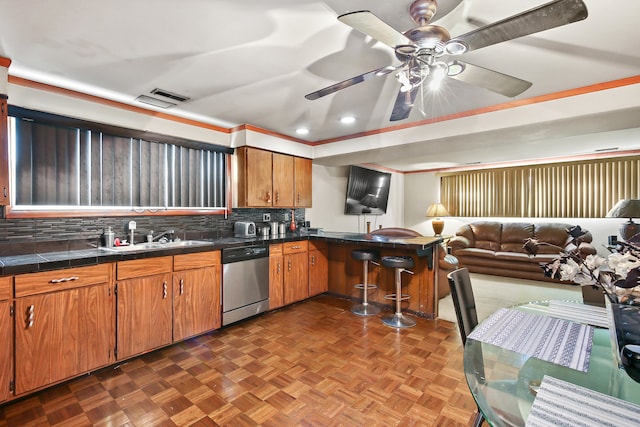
(244, 253)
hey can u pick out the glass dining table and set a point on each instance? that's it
(504, 383)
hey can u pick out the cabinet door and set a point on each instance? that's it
(283, 177)
(258, 178)
(4, 153)
(6, 349)
(144, 311)
(303, 182)
(196, 302)
(318, 272)
(296, 277)
(62, 334)
(276, 283)
(34, 323)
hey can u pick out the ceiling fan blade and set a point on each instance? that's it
(492, 80)
(352, 81)
(369, 24)
(403, 105)
(549, 15)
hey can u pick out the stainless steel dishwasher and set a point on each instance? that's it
(245, 282)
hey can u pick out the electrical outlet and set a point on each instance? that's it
(266, 217)
(286, 217)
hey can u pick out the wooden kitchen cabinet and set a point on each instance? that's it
(267, 179)
(4, 152)
(6, 337)
(296, 271)
(196, 294)
(276, 277)
(144, 305)
(255, 177)
(303, 182)
(318, 268)
(63, 325)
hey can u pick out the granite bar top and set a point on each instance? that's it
(54, 260)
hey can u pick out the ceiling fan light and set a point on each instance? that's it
(455, 68)
(455, 47)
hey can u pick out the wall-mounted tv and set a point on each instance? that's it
(367, 191)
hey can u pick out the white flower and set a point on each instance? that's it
(569, 270)
(621, 264)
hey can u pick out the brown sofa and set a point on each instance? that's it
(497, 248)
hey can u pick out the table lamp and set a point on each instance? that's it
(627, 208)
(436, 210)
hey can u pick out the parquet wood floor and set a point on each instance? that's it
(311, 364)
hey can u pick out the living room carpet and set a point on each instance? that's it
(494, 292)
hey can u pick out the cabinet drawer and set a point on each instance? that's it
(38, 283)
(295, 247)
(196, 260)
(317, 245)
(144, 267)
(6, 290)
(275, 250)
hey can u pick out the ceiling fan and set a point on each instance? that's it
(425, 51)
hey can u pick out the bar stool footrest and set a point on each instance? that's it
(403, 297)
(369, 286)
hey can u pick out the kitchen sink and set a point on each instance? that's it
(156, 246)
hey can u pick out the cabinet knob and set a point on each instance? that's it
(181, 286)
(64, 279)
(4, 191)
(268, 197)
(289, 265)
(313, 260)
(164, 289)
(277, 196)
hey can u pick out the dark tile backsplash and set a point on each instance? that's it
(26, 236)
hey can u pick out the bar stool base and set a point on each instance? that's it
(397, 320)
(365, 310)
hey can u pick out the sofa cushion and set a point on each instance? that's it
(514, 235)
(552, 233)
(487, 234)
(476, 252)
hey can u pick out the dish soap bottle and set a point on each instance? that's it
(292, 226)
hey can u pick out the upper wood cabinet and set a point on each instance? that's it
(267, 179)
(4, 153)
(303, 173)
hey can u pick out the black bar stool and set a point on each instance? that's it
(400, 264)
(366, 256)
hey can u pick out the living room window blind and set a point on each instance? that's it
(586, 189)
(58, 167)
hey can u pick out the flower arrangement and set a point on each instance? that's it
(617, 275)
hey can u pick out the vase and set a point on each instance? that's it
(593, 295)
(292, 226)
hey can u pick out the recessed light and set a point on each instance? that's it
(302, 131)
(347, 120)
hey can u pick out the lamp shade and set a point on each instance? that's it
(436, 210)
(627, 208)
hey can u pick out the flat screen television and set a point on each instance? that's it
(367, 191)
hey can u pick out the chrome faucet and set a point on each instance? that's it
(161, 235)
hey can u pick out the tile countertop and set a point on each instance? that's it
(30, 263)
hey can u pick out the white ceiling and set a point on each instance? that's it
(252, 62)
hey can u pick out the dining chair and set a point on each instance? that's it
(465, 307)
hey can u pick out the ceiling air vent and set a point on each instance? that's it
(170, 95)
(155, 101)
